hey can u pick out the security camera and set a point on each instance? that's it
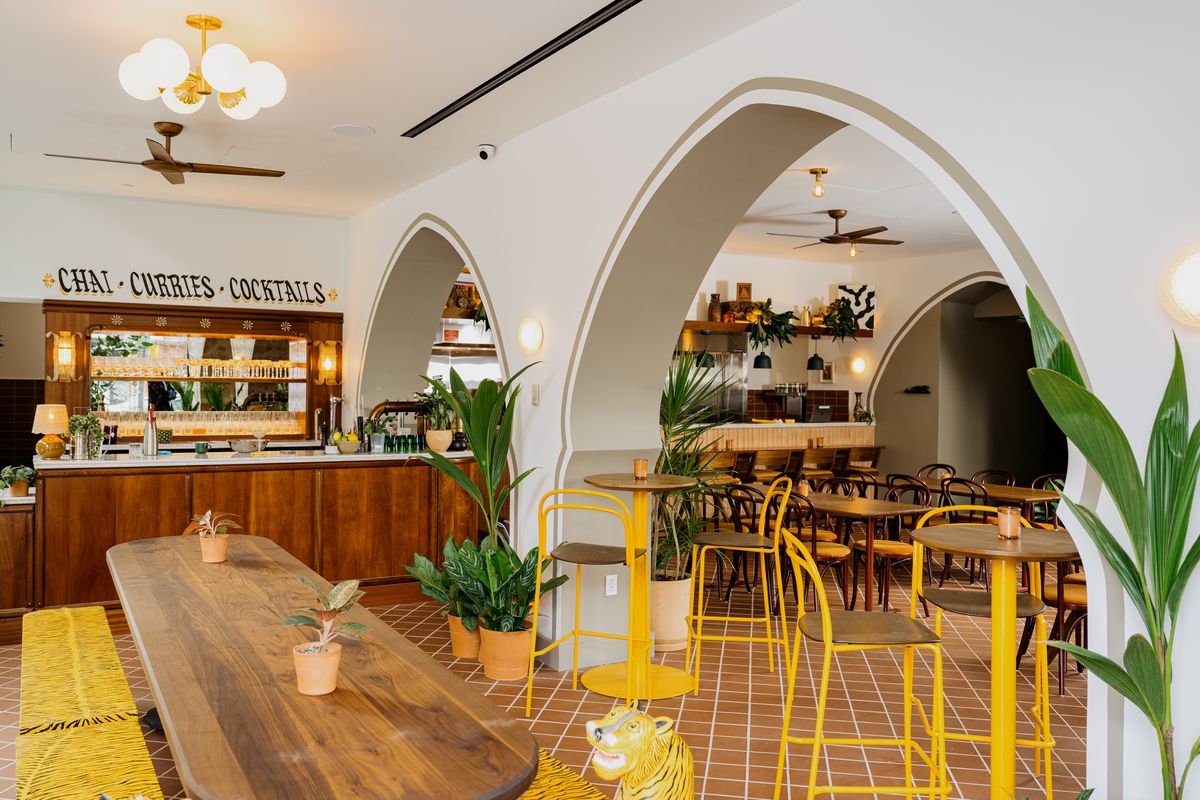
(487, 151)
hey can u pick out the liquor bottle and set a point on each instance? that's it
(150, 435)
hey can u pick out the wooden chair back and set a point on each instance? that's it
(743, 465)
(743, 503)
(859, 457)
(841, 459)
(916, 494)
(772, 459)
(865, 481)
(794, 465)
(841, 486)
(820, 458)
(800, 517)
(998, 476)
(899, 479)
(962, 492)
(720, 460)
(1047, 510)
(936, 471)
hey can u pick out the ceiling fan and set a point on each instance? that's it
(852, 238)
(170, 168)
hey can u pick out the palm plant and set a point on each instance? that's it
(686, 413)
(1155, 506)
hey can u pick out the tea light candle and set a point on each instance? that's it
(639, 468)
(1009, 523)
(802, 488)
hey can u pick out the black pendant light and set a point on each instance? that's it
(704, 358)
(762, 361)
(816, 363)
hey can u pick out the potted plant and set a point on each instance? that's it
(88, 427)
(502, 585)
(317, 662)
(766, 326)
(840, 320)
(17, 479)
(686, 414)
(462, 615)
(213, 530)
(438, 413)
(1153, 561)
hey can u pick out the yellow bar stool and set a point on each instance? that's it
(853, 631)
(581, 554)
(771, 511)
(978, 603)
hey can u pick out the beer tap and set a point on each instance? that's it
(334, 402)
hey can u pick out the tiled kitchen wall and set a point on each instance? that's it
(762, 404)
(18, 400)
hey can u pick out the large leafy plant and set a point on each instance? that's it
(439, 586)
(323, 616)
(434, 407)
(499, 582)
(766, 326)
(487, 421)
(1152, 560)
(686, 413)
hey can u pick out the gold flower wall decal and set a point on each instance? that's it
(285, 326)
(117, 319)
(247, 324)
(333, 294)
(48, 280)
(160, 322)
(205, 322)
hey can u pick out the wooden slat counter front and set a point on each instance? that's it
(362, 516)
(791, 436)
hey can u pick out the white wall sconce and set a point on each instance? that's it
(1179, 289)
(62, 356)
(858, 365)
(530, 336)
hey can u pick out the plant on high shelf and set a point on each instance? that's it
(438, 413)
(840, 320)
(85, 425)
(187, 395)
(213, 530)
(766, 326)
(462, 615)
(317, 662)
(1153, 560)
(16, 479)
(687, 412)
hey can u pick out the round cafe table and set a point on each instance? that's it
(983, 541)
(650, 681)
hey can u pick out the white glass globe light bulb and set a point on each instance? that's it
(1180, 289)
(133, 78)
(853, 251)
(243, 110)
(265, 84)
(858, 366)
(225, 67)
(178, 106)
(529, 335)
(818, 188)
(165, 62)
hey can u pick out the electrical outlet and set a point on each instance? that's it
(610, 585)
(535, 393)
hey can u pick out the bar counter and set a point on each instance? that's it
(791, 435)
(346, 516)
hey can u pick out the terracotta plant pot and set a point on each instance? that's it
(213, 548)
(505, 656)
(316, 673)
(439, 441)
(669, 604)
(463, 643)
(19, 489)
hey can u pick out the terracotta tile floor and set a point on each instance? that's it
(732, 725)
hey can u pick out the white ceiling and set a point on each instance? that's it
(876, 187)
(383, 63)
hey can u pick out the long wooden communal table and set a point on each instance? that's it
(219, 663)
(1000, 494)
(869, 512)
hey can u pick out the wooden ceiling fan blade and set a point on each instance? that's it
(224, 169)
(173, 178)
(159, 152)
(864, 232)
(793, 235)
(810, 244)
(869, 240)
(90, 158)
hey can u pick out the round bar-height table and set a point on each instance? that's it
(650, 681)
(983, 541)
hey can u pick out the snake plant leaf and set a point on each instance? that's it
(301, 619)
(1116, 557)
(1141, 664)
(1050, 348)
(1089, 425)
(1164, 457)
(1108, 671)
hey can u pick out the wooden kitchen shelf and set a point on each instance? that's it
(700, 326)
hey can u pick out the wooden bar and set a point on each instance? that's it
(795, 436)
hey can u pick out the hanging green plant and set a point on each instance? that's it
(840, 320)
(766, 326)
(481, 316)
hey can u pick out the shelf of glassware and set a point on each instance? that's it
(124, 368)
(210, 424)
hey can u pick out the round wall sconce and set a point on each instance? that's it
(858, 365)
(1179, 289)
(529, 336)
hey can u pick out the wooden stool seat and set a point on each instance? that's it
(766, 475)
(975, 603)
(1074, 577)
(823, 535)
(868, 628)
(1071, 594)
(887, 548)
(592, 554)
(811, 475)
(732, 539)
(831, 550)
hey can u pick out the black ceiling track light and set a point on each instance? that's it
(567, 37)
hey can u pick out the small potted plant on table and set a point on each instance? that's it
(17, 479)
(213, 530)
(317, 662)
(434, 407)
(462, 615)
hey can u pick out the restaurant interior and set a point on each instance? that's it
(615, 399)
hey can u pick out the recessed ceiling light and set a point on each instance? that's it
(353, 129)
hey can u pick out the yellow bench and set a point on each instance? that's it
(79, 734)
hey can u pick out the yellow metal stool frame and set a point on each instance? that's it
(778, 495)
(1040, 711)
(621, 512)
(934, 757)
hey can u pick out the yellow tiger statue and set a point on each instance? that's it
(651, 760)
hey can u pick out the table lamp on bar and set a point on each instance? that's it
(51, 420)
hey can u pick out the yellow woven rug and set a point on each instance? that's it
(79, 735)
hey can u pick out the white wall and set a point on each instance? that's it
(907, 424)
(42, 232)
(24, 330)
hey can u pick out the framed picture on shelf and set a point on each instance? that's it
(745, 292)
(828, 372)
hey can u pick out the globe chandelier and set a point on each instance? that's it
(162, 69)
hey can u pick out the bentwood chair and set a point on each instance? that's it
(764, 543)
(582, 554)
(967, 496)
(1069, 599)
(853, 631)
(978, 603)
(801, 521)
(1046, 512)
(891, 550)
(936, 471)
(999, 476)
